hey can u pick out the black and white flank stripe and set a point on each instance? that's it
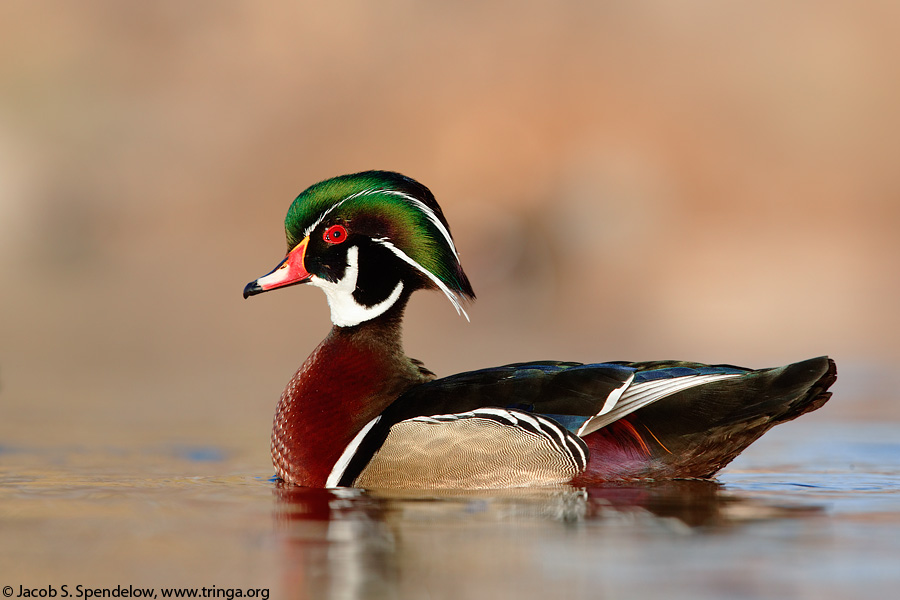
(553, 433)
(482, 448)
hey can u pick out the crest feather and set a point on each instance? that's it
(393, 210)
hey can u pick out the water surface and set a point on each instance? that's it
(812, 511)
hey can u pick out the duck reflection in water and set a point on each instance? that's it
(355, 543)
(694, 503)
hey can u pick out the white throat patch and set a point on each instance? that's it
(345, 310)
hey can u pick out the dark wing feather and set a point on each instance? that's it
(697, 431)
(774, 395)
(547, 387)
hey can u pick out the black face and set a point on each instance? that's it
(378, 268)
(328, 261)
(379, 272)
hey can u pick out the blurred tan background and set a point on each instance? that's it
(624, 180)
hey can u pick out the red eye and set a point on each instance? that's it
(335, 234)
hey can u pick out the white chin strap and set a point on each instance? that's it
(345, 310)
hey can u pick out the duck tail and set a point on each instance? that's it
(818, 393)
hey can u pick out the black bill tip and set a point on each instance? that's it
(251, 289)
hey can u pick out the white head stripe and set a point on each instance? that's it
(454, 299)
(431, 217)
(429, 214)
(321, 218)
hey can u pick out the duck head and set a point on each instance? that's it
(368, 240)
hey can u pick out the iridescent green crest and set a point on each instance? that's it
(393, 210)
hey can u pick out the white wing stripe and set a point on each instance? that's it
(613, 398)
(610, 403)
(667, 387)
(639, 395)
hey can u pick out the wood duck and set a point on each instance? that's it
(360, 413)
